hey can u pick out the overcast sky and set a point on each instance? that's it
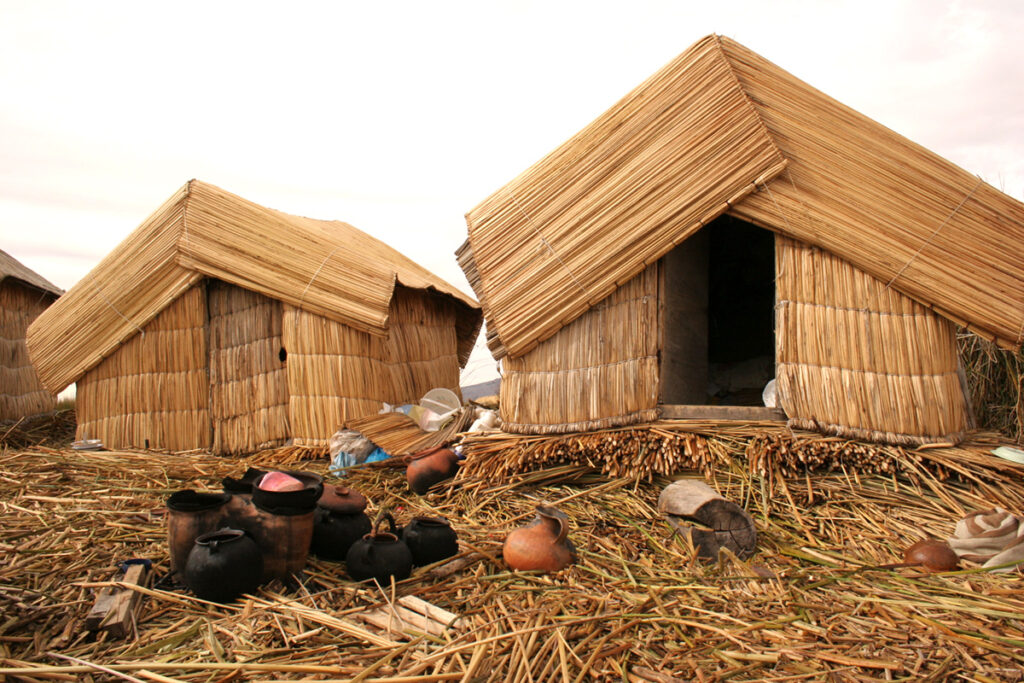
(399, 117)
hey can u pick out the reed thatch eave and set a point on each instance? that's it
(328, 268)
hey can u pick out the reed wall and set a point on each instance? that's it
(153, 391)
(21, 392)
(856, 358)
(248, 379)
(599, 371)
(337, 373)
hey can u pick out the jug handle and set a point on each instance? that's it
(563, 524)
(563, 530)
(385, 514)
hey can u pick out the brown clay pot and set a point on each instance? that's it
(191, 514)
(932, 554)
(242, 513)
(284, 541)
(541, 545)
(342, 500)
(429, 467)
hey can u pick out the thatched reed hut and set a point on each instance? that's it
(725, 224)
(24, 294)
(220, 324)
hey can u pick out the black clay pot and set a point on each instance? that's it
(243, 485)
(430, 539)
(191, 514)
(289, 502)
(224, 564)
(380, 555)
(335, 532)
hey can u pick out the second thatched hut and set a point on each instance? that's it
(726, 224)
(221, 324)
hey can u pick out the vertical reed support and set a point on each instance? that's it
(153, 391)
(248, 380)
(601, 370)
(857, 359)
(21, 392)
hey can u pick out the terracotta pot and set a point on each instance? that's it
(429, 467)
(430, 539)
(379, 555)
(343, 500)
(191, 514)
(224, 564)
(932, 554)
(335, 532)
(541, 545)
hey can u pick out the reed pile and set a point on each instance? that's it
(812, 604)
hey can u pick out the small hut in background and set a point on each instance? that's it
(24, 294)
(726, 224)
(221, 324)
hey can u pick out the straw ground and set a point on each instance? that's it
(810, 605)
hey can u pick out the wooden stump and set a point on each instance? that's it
(723, 524)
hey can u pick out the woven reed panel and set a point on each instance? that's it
(153, 391)
(601, 370)
(889, 206)
(858, 359)
(21, 392)
(598, 210)
(337, 373)
(248, 380)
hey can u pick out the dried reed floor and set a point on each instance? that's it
(807, 606)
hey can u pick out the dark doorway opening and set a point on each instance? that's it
(718, 316)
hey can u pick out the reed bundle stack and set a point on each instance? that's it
(24, 294)
(666, 447)
(222, 324)
(588, 264)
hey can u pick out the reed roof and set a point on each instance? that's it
(720, 129)
(328, 268)
(11, 267)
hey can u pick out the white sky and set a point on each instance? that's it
(399, 117)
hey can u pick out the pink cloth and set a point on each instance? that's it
(279, 481)
(993, 537)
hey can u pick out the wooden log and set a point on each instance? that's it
(722, 413)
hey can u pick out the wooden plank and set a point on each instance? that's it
(115, 608)
(737, 413)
